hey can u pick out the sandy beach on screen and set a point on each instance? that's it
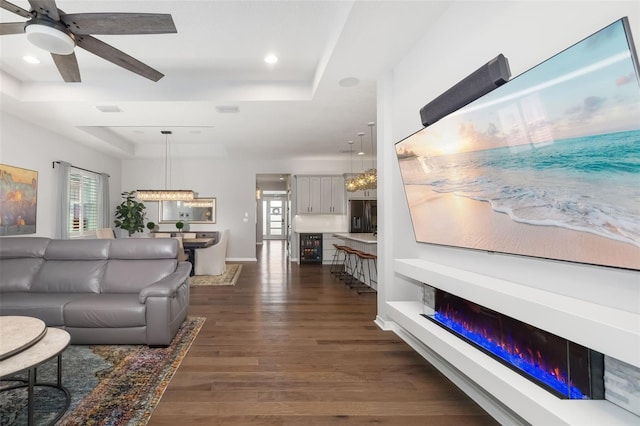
(458, 221)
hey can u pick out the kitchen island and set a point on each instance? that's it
(366, 243)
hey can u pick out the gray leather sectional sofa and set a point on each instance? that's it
(124, 291)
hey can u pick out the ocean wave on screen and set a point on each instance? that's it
(554, 205)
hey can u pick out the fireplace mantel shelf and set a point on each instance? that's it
(613, 332)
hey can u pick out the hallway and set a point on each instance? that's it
(291, 345)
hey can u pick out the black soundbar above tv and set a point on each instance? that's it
(490, 76)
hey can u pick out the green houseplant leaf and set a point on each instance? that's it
(130, 214)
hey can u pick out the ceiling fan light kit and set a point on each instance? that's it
(50, 36)
(58, 33)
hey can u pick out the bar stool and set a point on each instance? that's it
(368, 257)
(349, 264)
(336, 262)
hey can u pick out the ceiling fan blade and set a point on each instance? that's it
(119, 23)
(11, 28)
(45, 7)
(111, 54)
(68, 67)
(15, 9)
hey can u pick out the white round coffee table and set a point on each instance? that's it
(27, 353)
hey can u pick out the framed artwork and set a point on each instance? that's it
(18, 200)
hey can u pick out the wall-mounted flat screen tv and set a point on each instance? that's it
(547, 165)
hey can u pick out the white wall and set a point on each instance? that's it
(26, 145)
(231, 182)
(467, 36)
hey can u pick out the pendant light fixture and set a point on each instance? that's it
(368, 179)
(165, 194)
(371, 175)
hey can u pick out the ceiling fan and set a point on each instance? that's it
(58, 33)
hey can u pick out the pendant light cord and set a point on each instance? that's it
(166, 160)
(373, 147)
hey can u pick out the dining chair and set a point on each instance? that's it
(211, 260)
(105, 233)
(182, 255)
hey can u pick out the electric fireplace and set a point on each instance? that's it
(564, 368)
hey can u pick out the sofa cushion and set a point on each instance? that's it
(69, 276)
(20, 260)
(105, 311)
(131, 276)
(143, 248)
(135, 263)
(46, 306)
(72, 266)
(16, 247)
(18, 274)
(77, 250)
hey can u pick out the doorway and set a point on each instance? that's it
(273, 208)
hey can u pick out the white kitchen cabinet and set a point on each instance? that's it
(320, 195)
(309, 194)
(367, 194)
(333, 198)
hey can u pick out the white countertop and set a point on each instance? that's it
(367, 238)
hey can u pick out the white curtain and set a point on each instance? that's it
(62, 224)
(104, 216)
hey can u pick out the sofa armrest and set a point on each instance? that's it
(169, 285)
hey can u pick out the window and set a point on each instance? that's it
(84, 202)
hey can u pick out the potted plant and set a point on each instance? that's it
(179, 225)
(130, 214)
(151, 226)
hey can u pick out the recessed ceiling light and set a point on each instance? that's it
(228, 109)
(271, 59)
(31, 59)
(349, 82)
(109, 108)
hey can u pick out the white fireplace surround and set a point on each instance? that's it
(505, 394)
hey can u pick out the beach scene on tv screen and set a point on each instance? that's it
(547, 165)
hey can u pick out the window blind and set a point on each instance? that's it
(83, 202)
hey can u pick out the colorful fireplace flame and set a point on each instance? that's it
(531, 362)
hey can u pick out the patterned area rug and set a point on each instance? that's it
(229, 277)
(109, 384)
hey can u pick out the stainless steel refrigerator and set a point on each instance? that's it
(363, 216)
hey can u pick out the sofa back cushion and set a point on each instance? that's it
(20, 261)
(135, 263)
(72, 266)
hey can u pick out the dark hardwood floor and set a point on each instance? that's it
(292, 345)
